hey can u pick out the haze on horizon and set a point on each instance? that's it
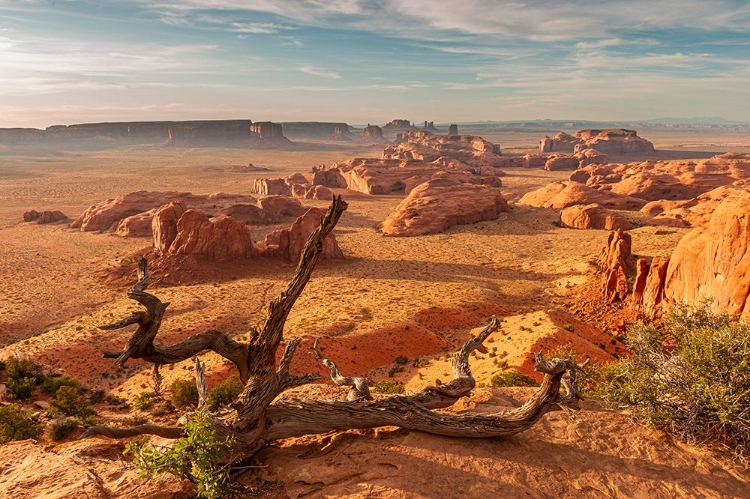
(75, 61)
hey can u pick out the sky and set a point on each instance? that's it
(371, 61)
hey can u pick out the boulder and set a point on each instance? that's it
(593, 216)
(31, 216)
(440, 203)
(44, 217)
(280, 208)
(289, 243)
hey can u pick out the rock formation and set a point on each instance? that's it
(611, 141)
(593, 216)
(164, 225)
(288, 243)
(557, 162)
(399, 125)
(713, 262)
(425, 146)
(315, 130)
(616, 260)
(44, 217)
(563, 194)
(219, 238)
(453, 130)
(372, 133)
(437, 204)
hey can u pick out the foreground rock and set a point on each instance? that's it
(439, 204)
(219, 238)
(713, 262)
(93, 470)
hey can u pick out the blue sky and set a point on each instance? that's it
(73, 61)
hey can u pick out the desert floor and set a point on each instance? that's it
(390, 297)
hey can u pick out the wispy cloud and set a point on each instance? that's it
(320, 73)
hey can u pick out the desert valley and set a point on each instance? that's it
(568, 233)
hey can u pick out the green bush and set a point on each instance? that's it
(224, 393)
(143, 401)
(51, 384)
(23, 377)
(699, 388)
(390, 387)
(61, 428)
(401, 360)
(193, 457)
(184, 393)
(17, 424)
(70, 401)
(512, 378)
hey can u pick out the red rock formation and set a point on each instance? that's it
(438, 204)
(45, 217)
(613, 141)
(653, 292)
(288, 243)
(713, 262)
(453, 129)
(221, 238)
(558, 162)
(425, 146)
(590, 157)
(136, 225)
(593, 216)
(617, 252)
(399, 125)
(372, 132)
(563, 194)
(164, 225)
(562, 142)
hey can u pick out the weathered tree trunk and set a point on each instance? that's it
(255, 419)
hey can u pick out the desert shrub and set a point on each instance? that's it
(116, 402)
(401, 360)
(395, 370)
(698, 388)
(163, 408)
(17, 424)
(51, 384)
(512, 378)
(184, 393)
(420, 362)
(143, 401)
(70, 401)
(96, 396)
(193, 457)
(390, 387)
(24, 376)
(224, 393)
(61, 428)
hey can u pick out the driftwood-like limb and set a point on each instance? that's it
(200, 383)
(359, 386)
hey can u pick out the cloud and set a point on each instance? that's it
(320, 73)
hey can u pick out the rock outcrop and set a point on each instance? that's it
(288, 243)
(615, 261)
(563, 194)
(44, 217)
(713, 262)
(399, 125)
(164, 225)
(593, 216)
(611, 141)
(558, 162)
(219, 238)
(425, 146)
(438, 204)
(315, 130)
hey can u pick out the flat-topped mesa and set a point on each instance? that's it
(315, 129)
(470, 150)
(399, 125)
(616, 141)
(373, 134)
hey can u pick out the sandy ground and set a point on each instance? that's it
(390, 297)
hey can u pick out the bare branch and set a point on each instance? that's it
(359, 386)
(200, 383)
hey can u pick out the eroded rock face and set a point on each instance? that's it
(108, 214)
(164, 225)
(563, 194)
(288, 243)
(558, 162)
(425, 146)
(438, 204)
(713, 262)
(618, 141)
(220, 238)
(617, 252)
(593, 216)
(562, 142)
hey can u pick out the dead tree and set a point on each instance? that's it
(255, 418)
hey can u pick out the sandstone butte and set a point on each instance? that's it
(611, 141)
(288, 243)
(563, 194)
(441, 203)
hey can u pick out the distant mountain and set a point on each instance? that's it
(703, 120)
